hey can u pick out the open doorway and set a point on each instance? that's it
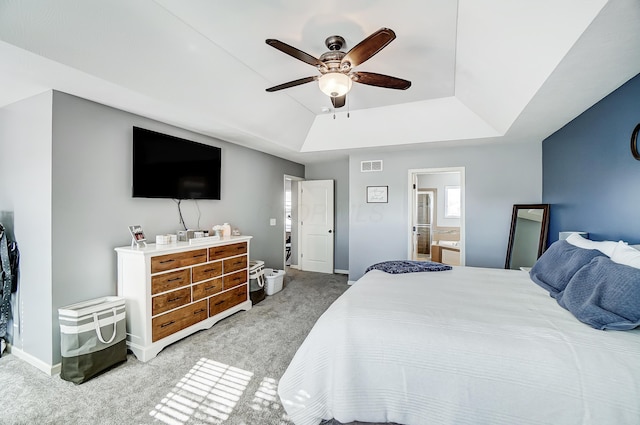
(436, 209)
(291, 232)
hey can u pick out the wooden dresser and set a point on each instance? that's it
(172, 291)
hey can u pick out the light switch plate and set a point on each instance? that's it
(272, 222)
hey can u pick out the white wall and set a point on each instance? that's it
(496, 177)
(25, 190)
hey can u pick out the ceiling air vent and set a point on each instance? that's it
(369, 166)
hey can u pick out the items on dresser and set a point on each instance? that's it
(172, 291)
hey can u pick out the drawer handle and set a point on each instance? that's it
(171, 300)
(237, 263)
(209, 270)
(237, 278)
(164, 325)
(174, 279)
(219, 302)
(199, 255)
(199, 311)
(218, 252)
(210, 288)
(167, 261)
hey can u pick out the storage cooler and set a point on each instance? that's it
(93, 337)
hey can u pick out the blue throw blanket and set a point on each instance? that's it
(405, 266)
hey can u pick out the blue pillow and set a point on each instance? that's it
(604, 295)
(555, 268)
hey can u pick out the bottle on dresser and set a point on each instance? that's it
(226, 230)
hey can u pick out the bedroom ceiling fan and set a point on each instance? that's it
(336, 67)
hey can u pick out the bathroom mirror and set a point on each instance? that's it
(528, 235)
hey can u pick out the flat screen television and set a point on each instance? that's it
(170, 167)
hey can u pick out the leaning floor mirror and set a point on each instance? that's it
(528, 235)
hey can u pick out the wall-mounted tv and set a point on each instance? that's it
(170, 167)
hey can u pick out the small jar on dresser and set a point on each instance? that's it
(172, 291)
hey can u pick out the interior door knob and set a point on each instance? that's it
(330, 231)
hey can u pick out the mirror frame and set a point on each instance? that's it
(544, 229)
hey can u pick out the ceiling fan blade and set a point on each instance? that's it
(296, 53)
(292, 83)
(380, 80)
(339, 101)
(369, 47)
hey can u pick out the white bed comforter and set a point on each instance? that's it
(466, 346)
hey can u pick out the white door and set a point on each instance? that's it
(316, 226)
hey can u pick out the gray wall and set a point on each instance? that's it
(496, 177)
(339, 172)
(91, 203)
(25, 190)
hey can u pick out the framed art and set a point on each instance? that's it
(377, 194)
(137, 235)
(634, 142)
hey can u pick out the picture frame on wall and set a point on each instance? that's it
(377, 194)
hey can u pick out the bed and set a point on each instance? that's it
(462, 346)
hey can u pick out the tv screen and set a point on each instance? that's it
(170, 167)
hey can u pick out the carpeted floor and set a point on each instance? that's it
(225, 375)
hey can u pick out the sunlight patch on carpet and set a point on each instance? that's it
(266, 397)
(208, 393)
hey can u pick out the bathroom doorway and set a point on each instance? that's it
(436, 208)
(291, 234)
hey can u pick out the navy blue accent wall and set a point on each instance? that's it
(590, 177)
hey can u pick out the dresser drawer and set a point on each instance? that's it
(226, 300)
(206, 289)
(206, 271)
(179, 259)
(168, 281)
(218, 252)
(234, 264)
(235, 279)
(167, 324)
(170, 300)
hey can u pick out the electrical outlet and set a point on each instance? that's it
(272, 222)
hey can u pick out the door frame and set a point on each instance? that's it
(412, 177)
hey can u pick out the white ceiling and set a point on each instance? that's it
(481, 71)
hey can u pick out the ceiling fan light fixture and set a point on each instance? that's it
(335, 84)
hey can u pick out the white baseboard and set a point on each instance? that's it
(295, 266)
(37, 363)
(351, 282)
(339, 271)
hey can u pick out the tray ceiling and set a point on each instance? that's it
(490, 71)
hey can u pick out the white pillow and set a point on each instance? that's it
(627, 255)
(606, 247)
